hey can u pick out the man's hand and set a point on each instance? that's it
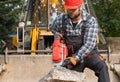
(61, 38)
(69, 62)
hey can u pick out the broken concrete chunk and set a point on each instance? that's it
(60, 74)
(2, 68)
(116, 68)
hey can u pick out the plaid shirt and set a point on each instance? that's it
(90, 35)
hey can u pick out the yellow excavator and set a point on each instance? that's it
(38, 17)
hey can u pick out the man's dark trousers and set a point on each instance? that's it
(97, 65)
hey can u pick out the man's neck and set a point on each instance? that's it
(76, 20)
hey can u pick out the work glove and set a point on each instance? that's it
(69, 62)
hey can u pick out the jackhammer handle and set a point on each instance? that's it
(65, 63)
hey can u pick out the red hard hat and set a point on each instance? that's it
(72, 4)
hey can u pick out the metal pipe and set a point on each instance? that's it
(23, 51)
(5, 56)
(48, 15)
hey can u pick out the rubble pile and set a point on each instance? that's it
(116, 68)
(60, 74)
(2, 68)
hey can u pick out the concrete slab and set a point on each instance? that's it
(61, 74)
(27, 68)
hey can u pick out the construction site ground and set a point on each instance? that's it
(28, 68)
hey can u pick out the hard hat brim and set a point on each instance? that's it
(70, 7)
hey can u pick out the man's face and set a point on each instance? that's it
(73, 13)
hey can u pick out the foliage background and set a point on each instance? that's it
(107, 11)
(108, 14)
(9, 16)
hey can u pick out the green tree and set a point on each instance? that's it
(9, 16)
(108, 13)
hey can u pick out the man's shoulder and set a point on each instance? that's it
(88, 17)
(60, 16)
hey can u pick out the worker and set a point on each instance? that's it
(79, 30)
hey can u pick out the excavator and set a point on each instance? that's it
(34, 33)
(32, 58)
